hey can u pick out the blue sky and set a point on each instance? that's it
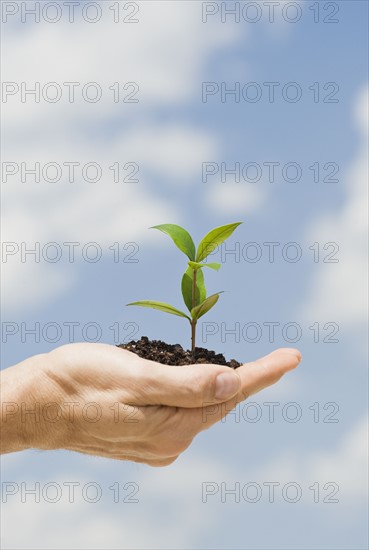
(169, 133)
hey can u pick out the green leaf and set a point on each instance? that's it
(205, 306)
(187, 282)
(181, 238)
(197, 265)
(167, 308)
(213, 239)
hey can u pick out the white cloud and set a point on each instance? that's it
(153, 522)
(174, 151)
(165, 54)
(234, 198)
(83, 215)
(171, 498)
(346, 465)
(339, 290)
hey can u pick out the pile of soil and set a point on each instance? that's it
(174, 354)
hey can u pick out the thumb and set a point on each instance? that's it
(189, 386)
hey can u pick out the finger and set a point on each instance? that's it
(255, 376)
(264, 372)
(162, 462)
(191, 386)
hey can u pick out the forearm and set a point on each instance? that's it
(21, 421)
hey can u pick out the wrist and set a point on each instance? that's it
(27, 400)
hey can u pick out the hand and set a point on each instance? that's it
(99, 399)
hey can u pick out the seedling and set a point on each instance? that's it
(193, 285)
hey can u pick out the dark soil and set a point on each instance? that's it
(174, 354)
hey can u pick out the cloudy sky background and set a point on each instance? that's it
(169, 133)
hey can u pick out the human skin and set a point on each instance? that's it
(101, 400)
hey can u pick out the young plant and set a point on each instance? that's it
(193, 285)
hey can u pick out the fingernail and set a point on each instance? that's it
(226, 385)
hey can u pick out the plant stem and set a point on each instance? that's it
(193, 336)
(193, 322)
